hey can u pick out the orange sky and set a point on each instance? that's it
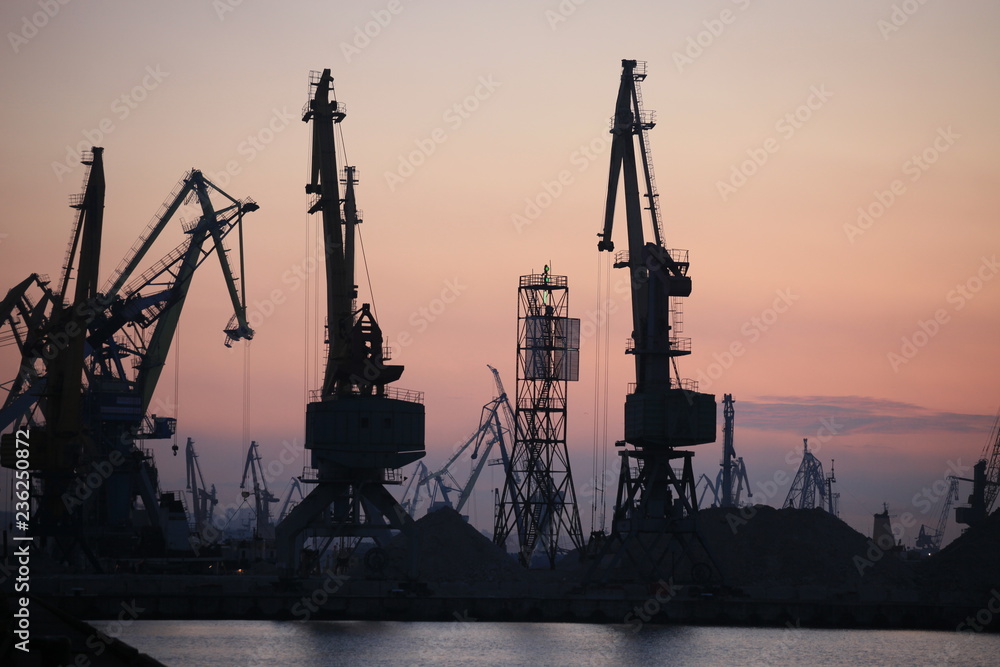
(777, 121)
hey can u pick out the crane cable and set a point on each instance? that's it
(177, 384)
(357, 228)
(600, 419)
(246, 392)
(606, 318)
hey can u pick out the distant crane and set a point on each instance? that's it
(727, 491)
(263, 498)
(985, 481)
(707, 486)
(929, 539)
(203, 501)
(832, 497)
(494, 430)
(810, 486)
(419, 481)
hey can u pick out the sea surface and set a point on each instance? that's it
(467, 642)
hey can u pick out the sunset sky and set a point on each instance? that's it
(831, 166)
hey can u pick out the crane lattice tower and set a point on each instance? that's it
(538, 499)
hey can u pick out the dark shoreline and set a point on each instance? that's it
(188, 597)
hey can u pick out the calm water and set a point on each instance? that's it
(288, 644)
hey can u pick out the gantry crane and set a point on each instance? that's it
(90, 364)
(203, 501)
(359, 431)
(656, 504)
(262, 496)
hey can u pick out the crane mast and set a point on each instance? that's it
(656, 503)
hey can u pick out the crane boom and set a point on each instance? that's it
(991, 454)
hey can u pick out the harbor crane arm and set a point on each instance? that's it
(166, 326)
(656, 275)
(293, 486)
(145, 241)
(991, 454)
(27, 323)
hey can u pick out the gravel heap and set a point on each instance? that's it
(452, 550)
(793, 547)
